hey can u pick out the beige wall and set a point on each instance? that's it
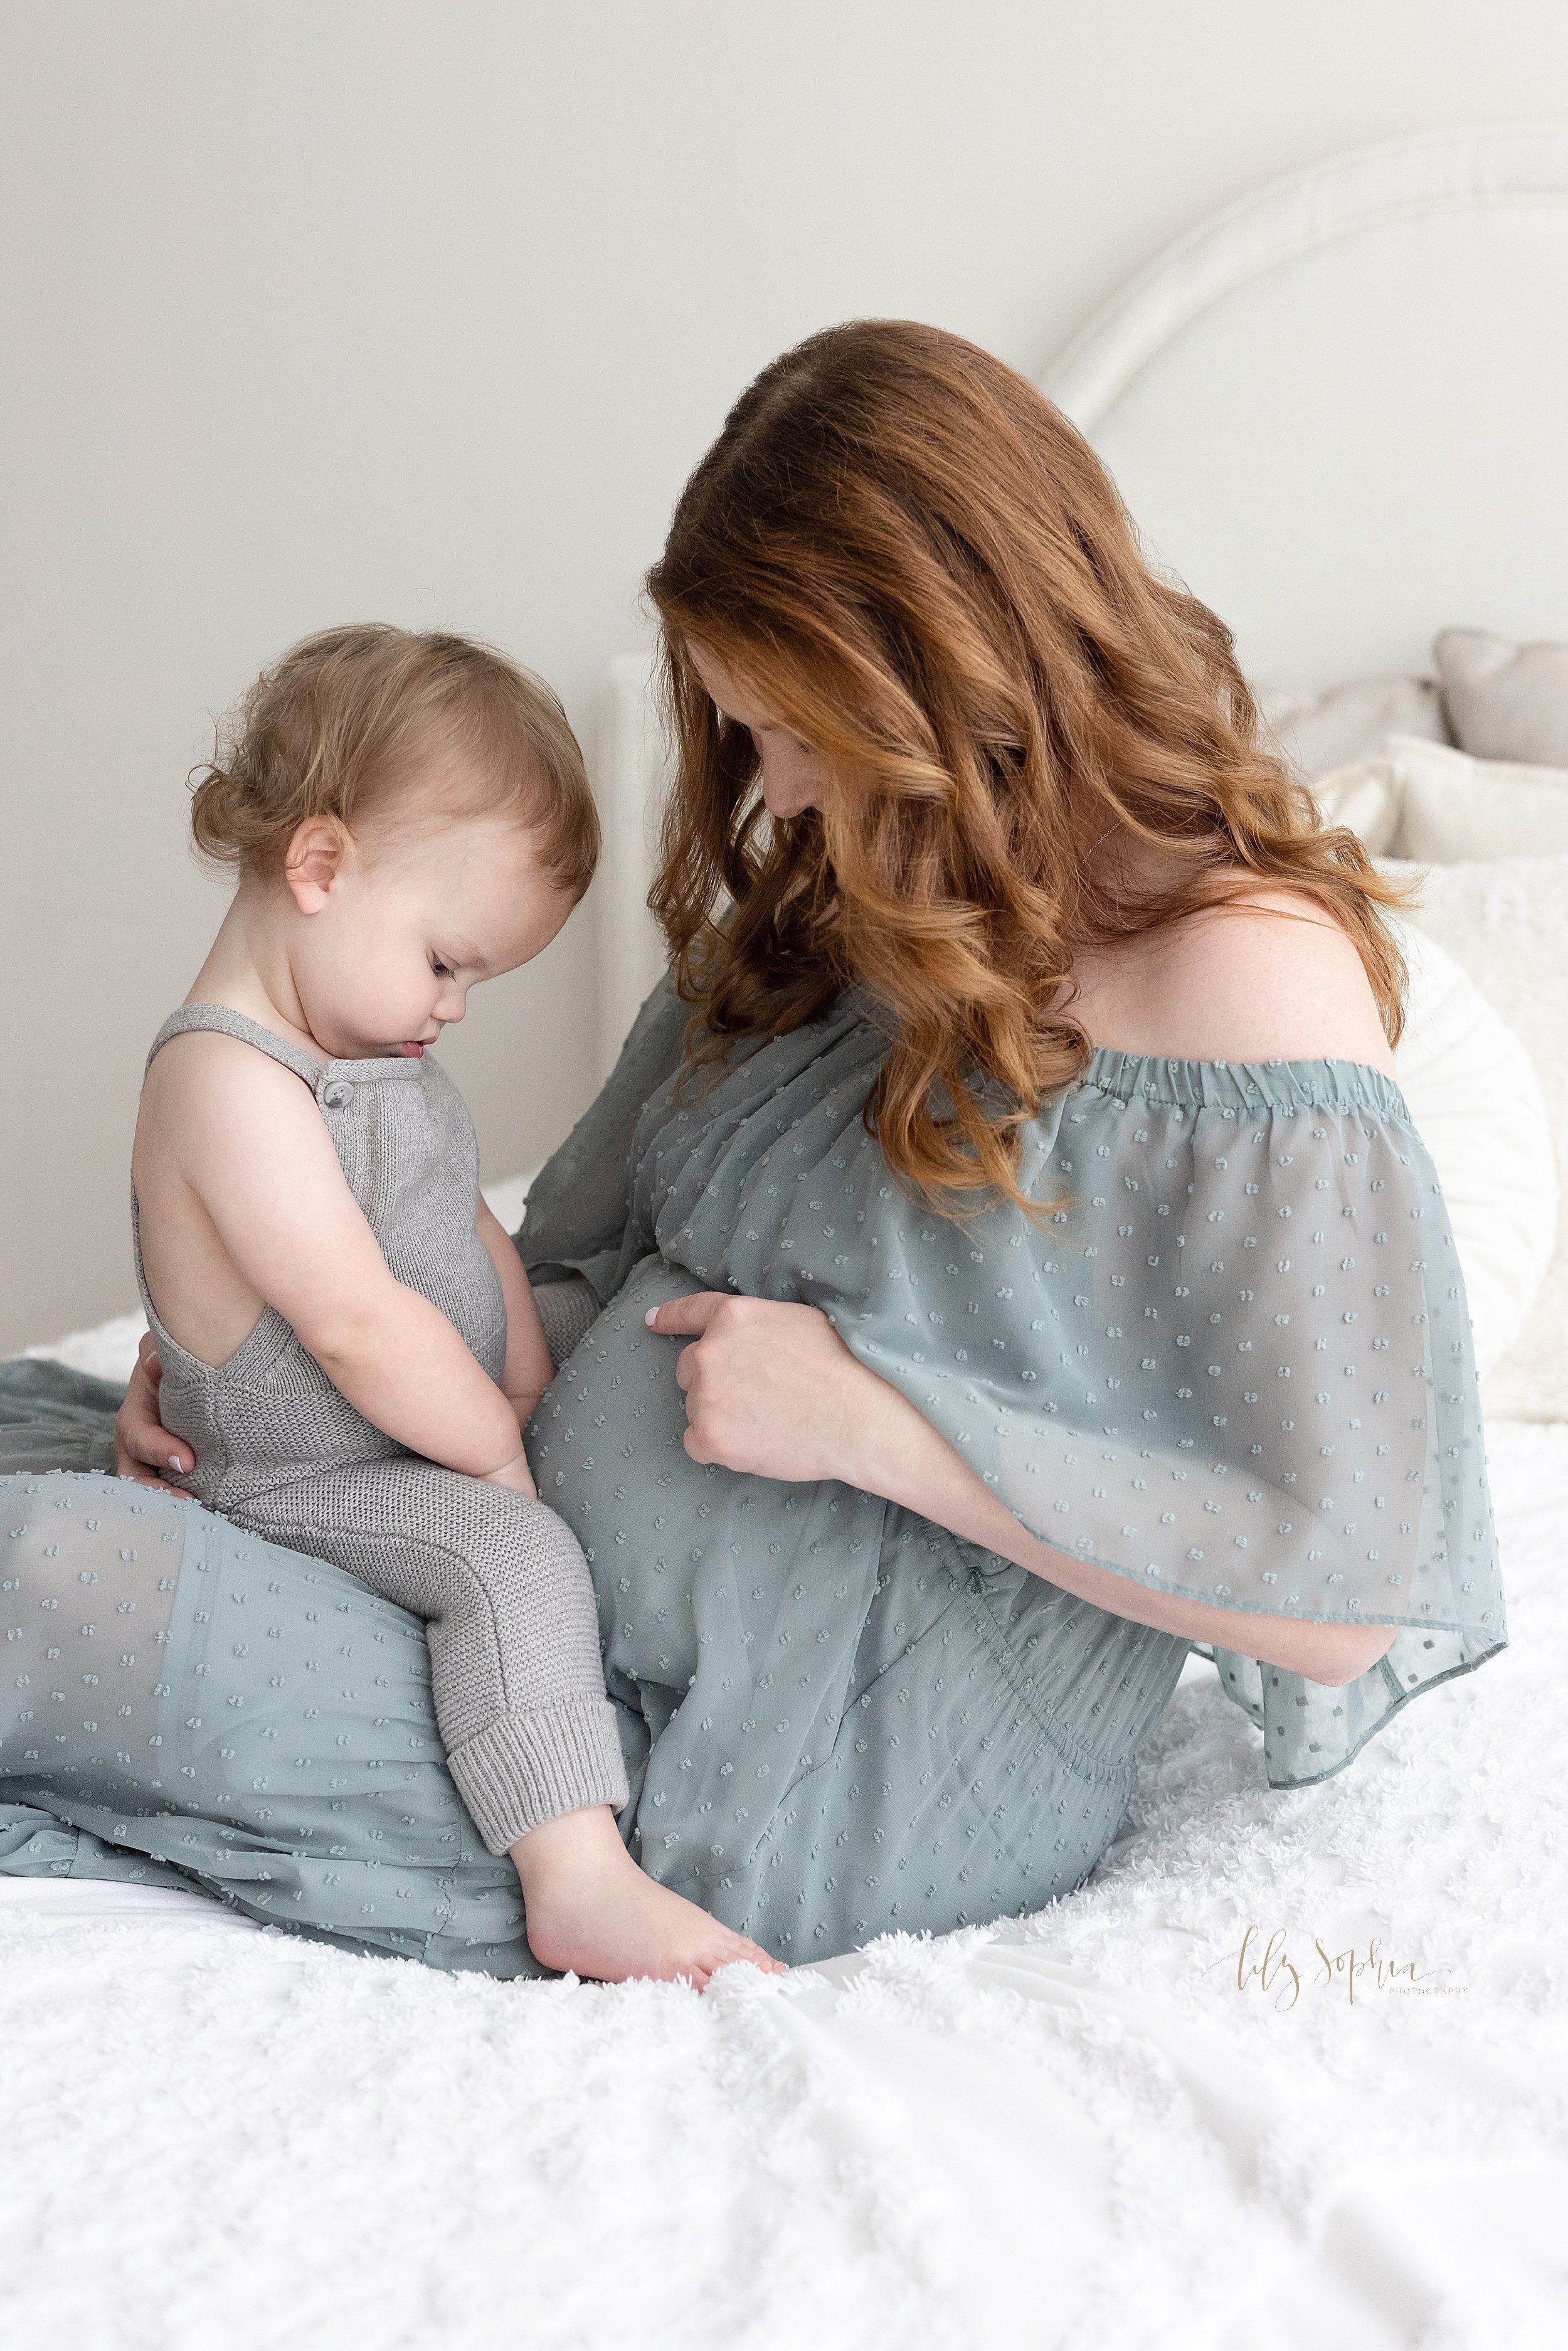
(320, 309)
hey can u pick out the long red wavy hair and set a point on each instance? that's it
(920, 566)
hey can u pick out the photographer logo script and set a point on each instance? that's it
(1286, 1971)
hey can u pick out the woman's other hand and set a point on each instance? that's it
(772, 1389)
(143, 1448)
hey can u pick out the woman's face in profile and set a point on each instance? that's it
(793, 776)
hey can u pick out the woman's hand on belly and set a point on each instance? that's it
(772, 1390)
(143, 1448)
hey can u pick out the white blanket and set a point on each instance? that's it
(1081, 2133)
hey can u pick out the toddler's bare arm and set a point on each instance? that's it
(529, 1370)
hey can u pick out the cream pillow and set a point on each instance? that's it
(1454, 810)
(1503, 701)
(1433, 805)
(1505, 923)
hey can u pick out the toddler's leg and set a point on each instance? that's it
(504, 1588)
(518, 1686)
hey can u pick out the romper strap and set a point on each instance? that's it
(229, 1023)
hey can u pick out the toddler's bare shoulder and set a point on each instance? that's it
(205, 1070)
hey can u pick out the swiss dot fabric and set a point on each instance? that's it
(1233, 1363)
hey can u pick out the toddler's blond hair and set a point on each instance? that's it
(341, 724)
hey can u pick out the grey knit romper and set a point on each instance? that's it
(500, 1582)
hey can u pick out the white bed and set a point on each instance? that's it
(1096, 2129)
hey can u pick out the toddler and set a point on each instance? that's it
(349, 1346)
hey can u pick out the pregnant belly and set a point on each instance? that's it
(736, 1603)
(606, 1452)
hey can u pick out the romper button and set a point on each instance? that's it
(337, 1095)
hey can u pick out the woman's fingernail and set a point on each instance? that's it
(173, 1462)
(648, 1317)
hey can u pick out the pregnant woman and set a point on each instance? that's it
(1000, 1259)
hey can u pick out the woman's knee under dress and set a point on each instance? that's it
(185, 1704)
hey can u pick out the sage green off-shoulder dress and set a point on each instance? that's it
(1233, 1363)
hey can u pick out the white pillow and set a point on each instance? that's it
(1478, 1104)
(1454, 810)
(1504, 701)
(1505, 923)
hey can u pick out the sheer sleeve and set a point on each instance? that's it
(1232, 1363)
(580, 1202)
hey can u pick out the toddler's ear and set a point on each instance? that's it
(314, 859)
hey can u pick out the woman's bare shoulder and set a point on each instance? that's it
(1272, 978)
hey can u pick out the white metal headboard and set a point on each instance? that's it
(1338, 410)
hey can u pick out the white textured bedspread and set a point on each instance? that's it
(1291, 2071)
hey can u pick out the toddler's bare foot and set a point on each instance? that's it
(591, 1909)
